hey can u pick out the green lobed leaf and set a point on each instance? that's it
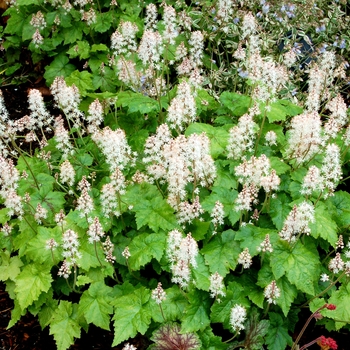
(221, 253)
(136, 102)
(238, 104)
(279, 165)
(252, 236)
(224, 178)
(300, 264)
(31, 282)
(235, 294)
(288, 291)
(10, 267)
(279, 209)
(103, 21)
(227, 198)
(132, 314)
(218, 137)
(253, 291)
(73, 33)
(201, 274)
(60, 66)
(341, 299)
(81, 49)
(36, 248)
(324, 226)
(339, 206)
(64, 326)
(211, 341)
(82, 80)
(150, 208)
(277, 337)
(173, 306)
(196, 313)
(144, 247)
(95, 305)
(46, 312)
(256, 331)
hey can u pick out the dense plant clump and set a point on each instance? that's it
(191, 178)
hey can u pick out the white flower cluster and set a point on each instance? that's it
(338, 117)
(217, 215)
(270, 77)
(151, 17)
(224, 13)
(249, 25)
(110, 193)
(265, 245)
(336, 264)
(38, 112)
(325, 179)
(95, 114)
(188, 212)
(67, 98)
(242, 136)
(182, 253)
(320, 76)
(67, 173)
(182, 110)
(170, 21)
(71, 253)
(40, 213)
(9, 177)
(123, 39)
(158, 294)
(238, 316)
(245, 259)
(38, 20)
(297, 222)
(217, 287)
(85, 203)
(95, 231)
(304, 137)
(179, 161)
(114, 146)
(150, 49)
(272, 292)
(253, 174)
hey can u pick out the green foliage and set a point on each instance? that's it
(132, 314)
(64, 325)
(143, 230)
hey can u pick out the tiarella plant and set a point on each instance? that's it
(189, 178)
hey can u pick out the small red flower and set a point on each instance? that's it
(331, 306)
(327, 343)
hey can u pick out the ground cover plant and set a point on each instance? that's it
(191, 188)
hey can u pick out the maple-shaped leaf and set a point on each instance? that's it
(64, 326)
(277, 337)
(173, 306)
(150, 208)
(10, 266)
(31, 282)
(132, 314)
(144, 247)
(221, 253)
(95, 305)
(196, 313)
(301, 264)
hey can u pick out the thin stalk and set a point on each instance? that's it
(95, 246)
(325, 290)
(161, 311)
